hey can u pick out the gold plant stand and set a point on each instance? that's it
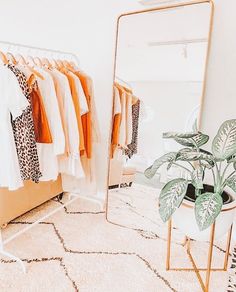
(204, 284)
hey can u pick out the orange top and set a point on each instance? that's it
(116, 121)
(86, 118)
(41, 126)
(76, 103)
(122, 123)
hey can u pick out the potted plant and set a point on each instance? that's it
(194, 204)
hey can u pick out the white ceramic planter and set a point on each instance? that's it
(184, 220)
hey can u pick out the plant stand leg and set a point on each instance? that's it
(228, 248)
(9, 255)
(209, 261)
(208, 269)
(168, 245)
(195, 268)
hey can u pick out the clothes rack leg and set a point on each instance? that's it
(9, 255)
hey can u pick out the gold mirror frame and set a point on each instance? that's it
(184, 4)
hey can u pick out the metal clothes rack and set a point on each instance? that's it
(49, 53)
(37, 51)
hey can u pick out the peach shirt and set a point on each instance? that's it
(61, 108)
(76, 101)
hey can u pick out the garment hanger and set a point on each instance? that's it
(36, 73)
(31, 80)
(38, 62)
(74, 66)
(135, 99)
(67, 64)
(3, 58)
(11, 58)
(60, 64)
(30, 63)
(46, 63)
(54, 64)
(20, 59)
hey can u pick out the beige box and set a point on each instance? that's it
(15, 203)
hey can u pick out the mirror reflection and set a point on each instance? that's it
(159, 81)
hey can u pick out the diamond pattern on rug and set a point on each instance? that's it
(78, 250)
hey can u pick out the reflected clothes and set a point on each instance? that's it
(23, 129)
(132, 148)
(116, 121)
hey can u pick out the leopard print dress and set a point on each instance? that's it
(132, 148)
(24, 135)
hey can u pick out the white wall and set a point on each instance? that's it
(87, 28)
(220, 101)
(168, 105)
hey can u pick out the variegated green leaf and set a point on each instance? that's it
(224, 143)
(170, 164)
(188, 154)
(197, 178)
(171, 197)
(232, 158)
(199, 140)
(207, 208)
(231, 182)
(151, 171)
(173, 135)
(205, 151)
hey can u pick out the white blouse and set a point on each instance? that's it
(71, 164)
(80, 92)
(12, 104)
(48, 152)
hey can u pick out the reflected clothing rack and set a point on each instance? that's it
(54, 187)
(118, 80)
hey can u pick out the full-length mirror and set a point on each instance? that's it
(159, 87)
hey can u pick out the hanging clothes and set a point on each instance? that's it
(129, 127)
(125, 121)
(93, 134)
(23, 129)
(86, 118)
(12, 105)
(116, 120)
(122, 135)
(79, 100)
(41, 125)
(90, 128)
(48, 152)
(59, 92)
(71, 164)
(132, 148)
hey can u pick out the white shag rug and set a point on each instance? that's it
(78, 250)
